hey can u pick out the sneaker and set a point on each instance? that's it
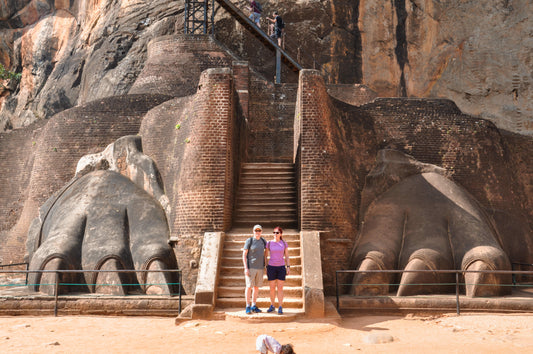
(280, 311)
(271, 308)
(256, 309)
(248, 310)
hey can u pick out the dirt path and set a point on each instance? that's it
(438, 334)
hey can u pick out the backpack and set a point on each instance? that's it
(262, 239)
(281, 24)
(258, 7)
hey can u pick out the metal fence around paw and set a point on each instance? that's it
(519, 279)
(18, 279)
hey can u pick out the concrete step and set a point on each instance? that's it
(267, 203)
(237, 261)
(233, 244)
(266, 210)
(264, 292)
(239, 270)
(243, 221)
(268, 190)
(238, 280)
(266, 166)
(289, 315)
(230, 252)
(267, 235)
(281, 174)
(263, 303)
(268, 177)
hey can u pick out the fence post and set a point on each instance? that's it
(56, 293)
(179, 292)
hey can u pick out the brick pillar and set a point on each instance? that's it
(205, 189)
(327, 197)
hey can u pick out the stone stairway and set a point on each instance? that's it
(231, 284)
(266, 196)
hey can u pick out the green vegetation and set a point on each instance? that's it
(8, 75)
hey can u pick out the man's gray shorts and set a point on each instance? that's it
(255, 278)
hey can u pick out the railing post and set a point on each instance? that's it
(179, 292)
(213, 18)
(278, 66)
(457, 292)
(56, 293)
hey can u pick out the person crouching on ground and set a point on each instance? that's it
(254, 260)
(278, 268)
(265, 343)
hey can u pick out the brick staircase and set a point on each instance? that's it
(266, 196)
(231, 285)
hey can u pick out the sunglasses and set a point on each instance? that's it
(277, 232)
(257, 230)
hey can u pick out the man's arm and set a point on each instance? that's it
(245, 261)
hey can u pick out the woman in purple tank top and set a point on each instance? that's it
(278, 268)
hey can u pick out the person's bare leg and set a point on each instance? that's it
(248, 295)
(280, 292)
(255, 294)
(272, 291)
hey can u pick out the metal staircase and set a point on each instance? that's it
(196, 22)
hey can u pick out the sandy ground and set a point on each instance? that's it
(467, 333)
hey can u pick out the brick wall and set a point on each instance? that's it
(175, 63)
(271, 121)
(191, 139)
(335, 148)
(16, 159)
(473, 149)
(326, 194)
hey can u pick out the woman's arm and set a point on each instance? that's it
(287, 261)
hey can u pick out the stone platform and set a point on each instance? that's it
(521, 300)
(20, 301)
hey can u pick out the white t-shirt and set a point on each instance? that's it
(265, 343)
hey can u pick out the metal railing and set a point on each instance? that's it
(293, 49)
(57, 283)
(25, 264)
(458, 284)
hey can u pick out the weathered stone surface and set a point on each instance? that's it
(477, 53)
(423, 221)
(75, 53)
(105, 221)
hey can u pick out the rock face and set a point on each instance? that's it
(477, 53)
(73, 52)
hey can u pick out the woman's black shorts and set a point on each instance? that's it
(275, 272)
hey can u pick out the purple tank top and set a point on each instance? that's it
(277, 251)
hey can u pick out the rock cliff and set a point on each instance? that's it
(477, 53)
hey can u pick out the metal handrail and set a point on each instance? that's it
(448, 271)
(16, 265)
(57, 283)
